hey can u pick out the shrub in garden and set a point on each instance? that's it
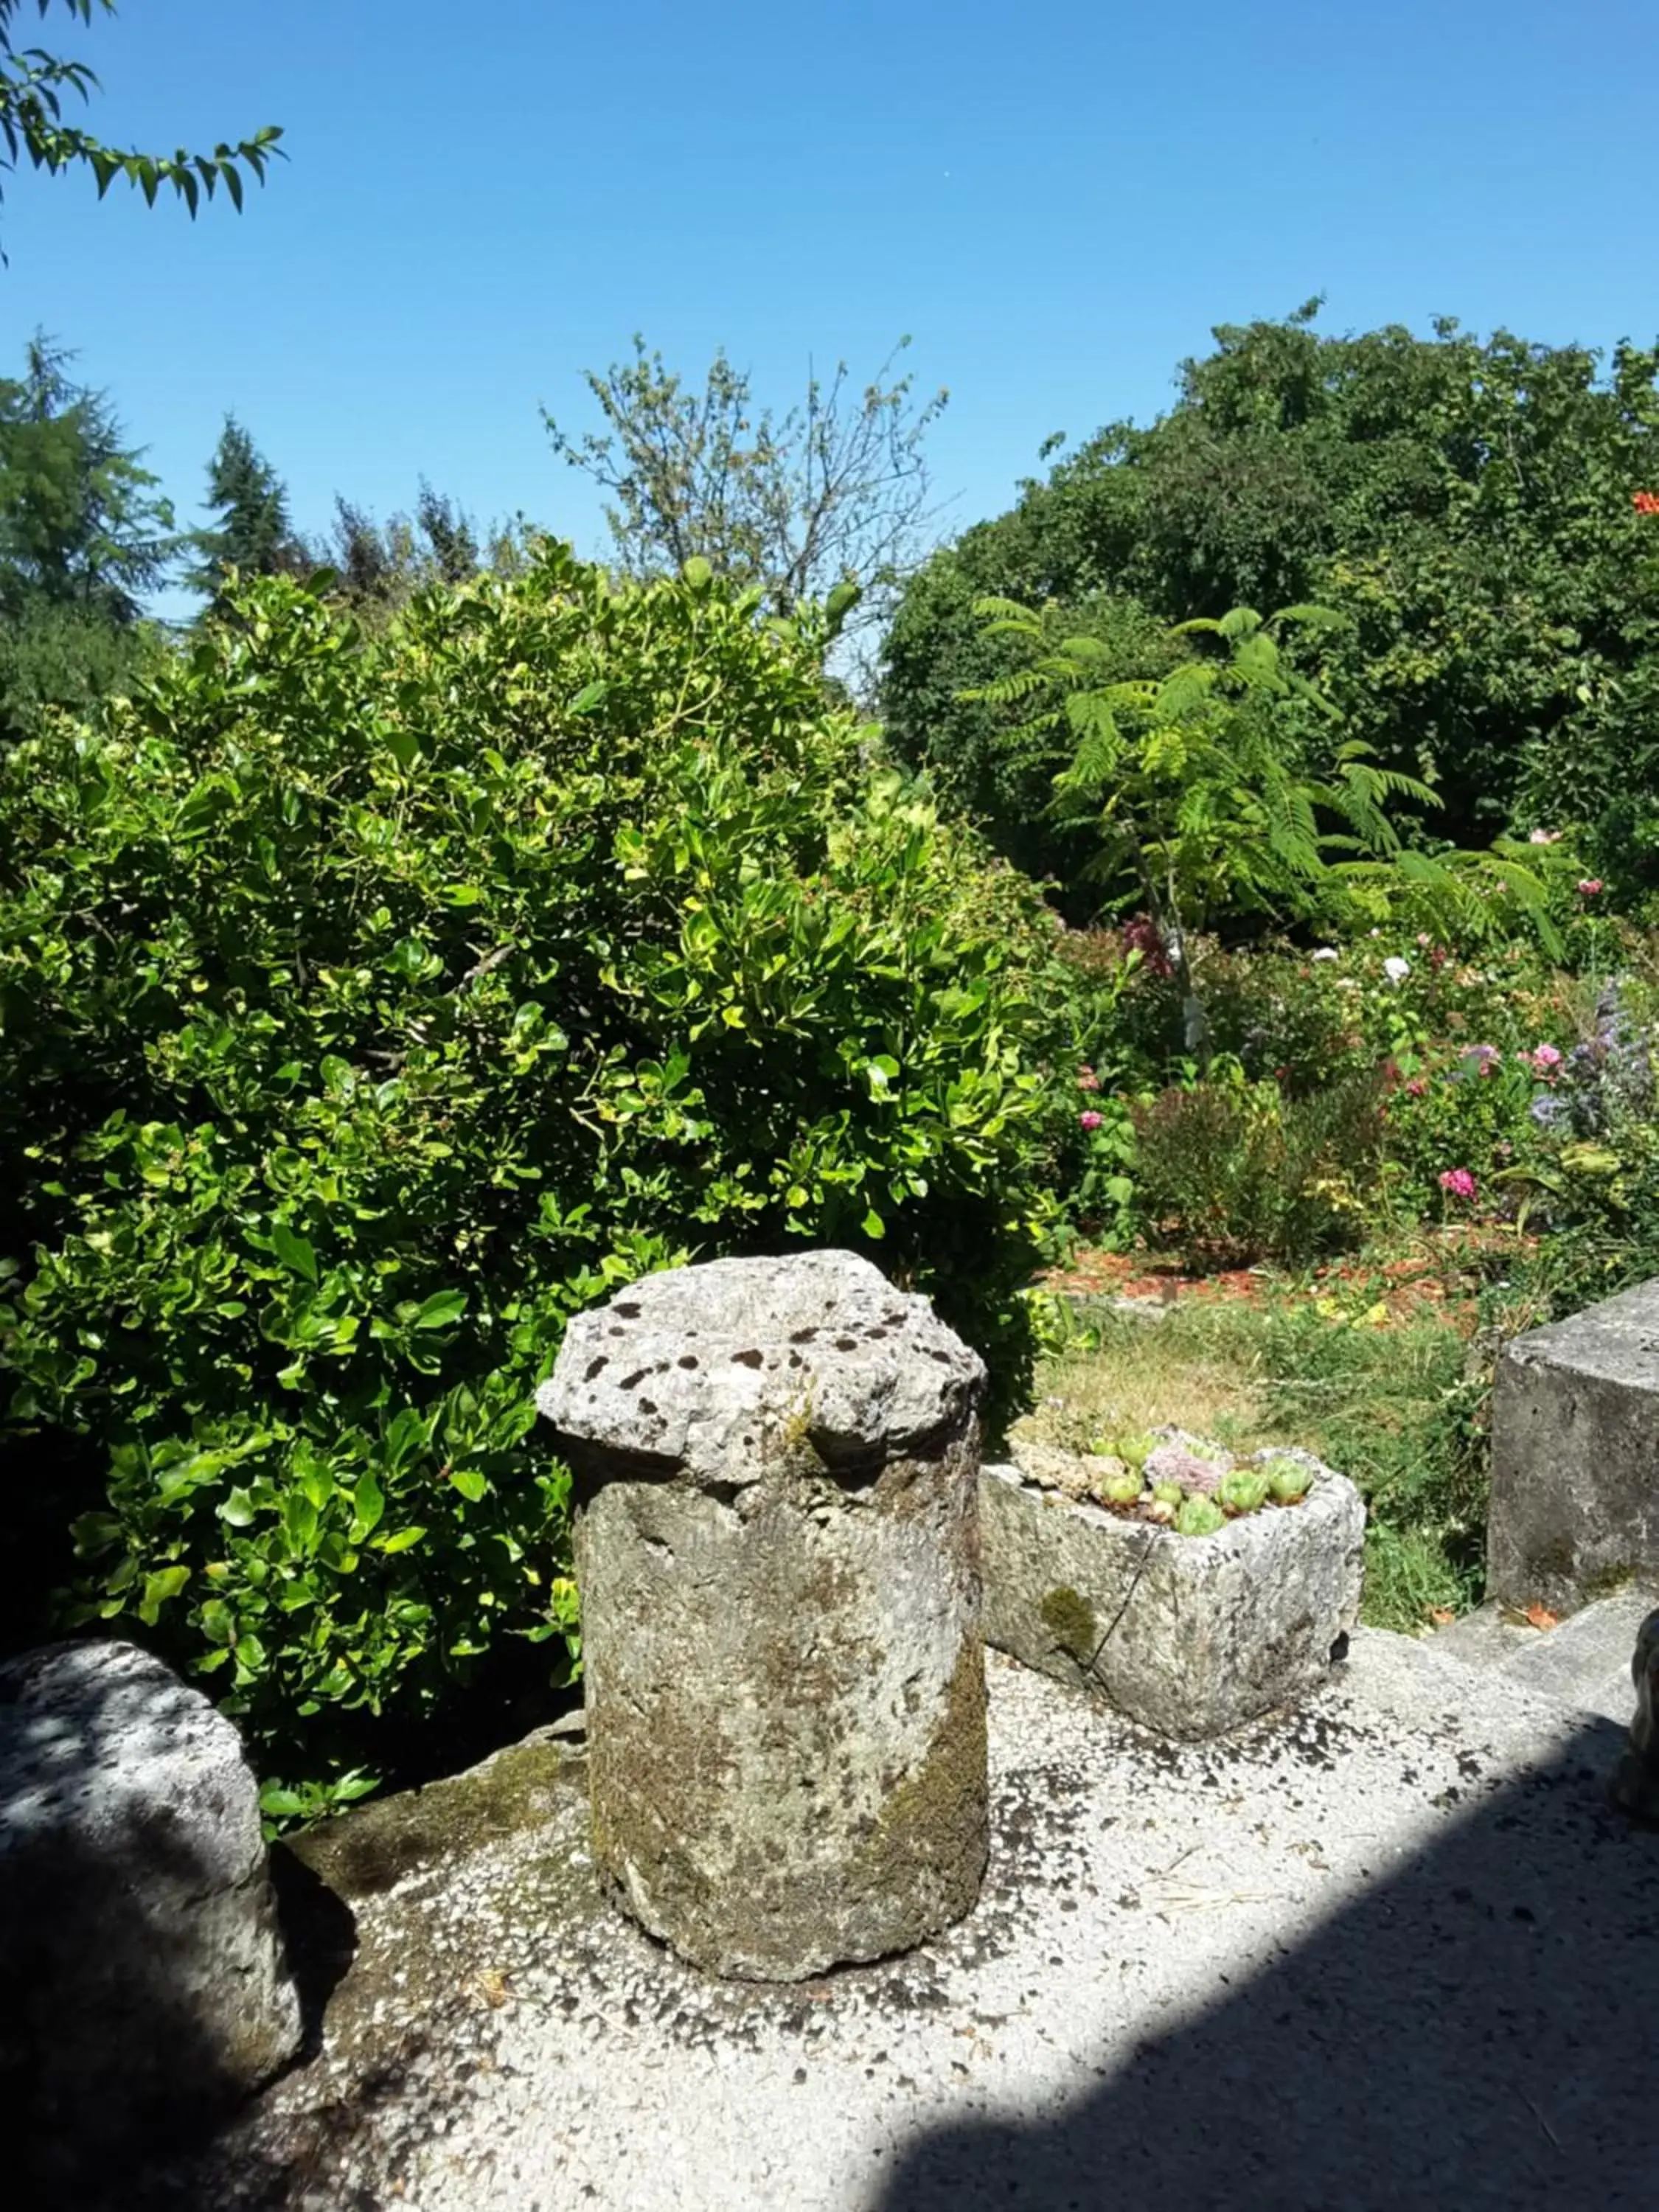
(1233, 1172)
(367, 1008)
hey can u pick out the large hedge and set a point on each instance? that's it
(367, 1007)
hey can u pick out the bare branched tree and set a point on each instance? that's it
(836, 491)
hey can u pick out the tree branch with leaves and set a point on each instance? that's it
(35, 87)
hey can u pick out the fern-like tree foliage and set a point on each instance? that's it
(1196, 787)
(37, 88)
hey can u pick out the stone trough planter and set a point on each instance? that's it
(1188, 1635)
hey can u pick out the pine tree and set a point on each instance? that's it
(81, 522)
(253, 536)
(83, 536)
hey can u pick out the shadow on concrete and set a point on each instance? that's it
(1480, 2029)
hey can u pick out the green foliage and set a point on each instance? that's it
(1402, 1413)
(1465, 505)
(368, 1006)
(376, 569)
(965, 686)
(1231, 1172)
(33, 85)
(81, 523)
(1193, 786)
(63, 657)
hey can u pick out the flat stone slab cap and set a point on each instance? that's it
(715, 1368)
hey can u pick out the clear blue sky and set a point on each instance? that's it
(1057, 199)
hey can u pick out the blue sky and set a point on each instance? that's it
(1057, 200)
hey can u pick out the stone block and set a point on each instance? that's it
(777, 1543)
(145, 1978)
(1575, 1456)
(1188, 1635)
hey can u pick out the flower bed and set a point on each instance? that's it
(1189, 1633)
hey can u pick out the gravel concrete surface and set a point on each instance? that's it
(1394, 1951)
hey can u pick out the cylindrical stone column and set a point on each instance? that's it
(777, 1543)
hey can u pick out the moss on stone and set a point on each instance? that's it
(1070, 1619)
(937, 1816)
(376, 1844)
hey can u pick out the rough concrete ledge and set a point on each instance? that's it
(1412, 1894)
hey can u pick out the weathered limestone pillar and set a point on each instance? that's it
(144, 1977)
(1575, 1455)
(777, 1541)
(1636, 1785)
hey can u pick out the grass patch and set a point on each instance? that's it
(1391, 1407)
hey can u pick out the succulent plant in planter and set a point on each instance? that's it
(1243, 1491)
(1208, 1602)
(1199, 1516)
(1149, 1480)
(1174, 1462)
(1288, 1481)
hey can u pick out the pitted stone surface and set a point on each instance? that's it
(715, 1367)
(777, 1542)
(143, 1972)
(1190, 1635)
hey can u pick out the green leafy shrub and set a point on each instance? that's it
(367, 1008)
(1229, 1173)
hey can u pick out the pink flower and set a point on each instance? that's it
(1087, 1079)
(1545, 1059)
(1589, 886)
(1457, 1181)
(1417, 1088)
(1090, 1119)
